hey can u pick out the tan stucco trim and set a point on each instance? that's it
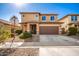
(42, 22)
(36, 13)
(49, 14)
(29, 12)
(49, 25)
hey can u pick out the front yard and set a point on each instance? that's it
(43, 40)
(34, 38)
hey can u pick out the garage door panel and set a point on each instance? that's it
(48, 30)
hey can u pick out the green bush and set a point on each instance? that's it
(72, 31)
(25, 35)
(4, 34)
(18, 32)
(78, 32)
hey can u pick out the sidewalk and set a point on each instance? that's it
(59, 51)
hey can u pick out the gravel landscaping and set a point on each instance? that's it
(16, 39)
(19, 51)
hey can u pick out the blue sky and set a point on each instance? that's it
(7, 10)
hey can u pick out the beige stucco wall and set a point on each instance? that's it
(5, 25)
(29, 17)
(49, 25)
(47, 18)
(78, 18)
(32, 17)
(1, 24)
(26, 27)
(65, 21)
(9, 26)
(37, 27)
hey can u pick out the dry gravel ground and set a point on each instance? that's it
(19, 51)
(40, 51)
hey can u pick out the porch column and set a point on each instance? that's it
(60, 30)
(37, 28)
(28, 27)
(23, 27)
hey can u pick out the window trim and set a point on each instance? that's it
(52, 18)
(44, 19)
(74, 18)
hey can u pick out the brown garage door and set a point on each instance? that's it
(48, 30)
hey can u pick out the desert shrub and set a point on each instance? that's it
(4, 34)
(78, 32)
(18, 32)
(72, 31)
(25, 35)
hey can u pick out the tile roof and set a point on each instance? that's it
(4, 21)
(37, 13)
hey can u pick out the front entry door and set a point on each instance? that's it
(33, 28)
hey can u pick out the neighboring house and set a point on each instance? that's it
(38, 23)
(4, 23)
(70, 20)
(7, 24)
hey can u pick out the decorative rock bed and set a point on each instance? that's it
(19, 51)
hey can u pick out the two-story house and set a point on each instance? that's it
(38, 23)
(70, 20)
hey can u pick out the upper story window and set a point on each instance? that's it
(52, 18)
(44, 18)
(74, 18)
(36, 17)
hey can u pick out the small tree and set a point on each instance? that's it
(4, 34)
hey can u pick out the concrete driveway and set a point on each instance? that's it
(58, 40)
(46, 40)
(53, 40)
